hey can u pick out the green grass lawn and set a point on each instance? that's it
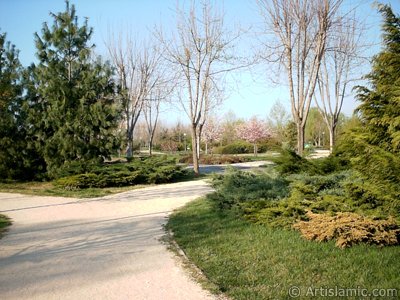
(248, 261)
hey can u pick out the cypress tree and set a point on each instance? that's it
(72, 111)
(374, 147)
(380, 104)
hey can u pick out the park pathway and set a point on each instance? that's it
(105, 248)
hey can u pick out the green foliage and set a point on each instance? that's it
(373, 147)
(289, 162)
(236, 188)
(214, 159)
(247, 261)
(316, 130)
(307, 193)
(70, 101)
(237, 147)
(148, 170)
(4, 223)
(17, 160)
(289, 136)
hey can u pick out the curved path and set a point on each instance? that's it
(105, 248)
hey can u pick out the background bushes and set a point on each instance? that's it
(243, 147)
(139, 171)
(214, 159)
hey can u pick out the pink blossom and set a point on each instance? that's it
(212, 131)
(253, 131)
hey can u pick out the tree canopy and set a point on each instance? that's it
(374, 146)
(72, 111)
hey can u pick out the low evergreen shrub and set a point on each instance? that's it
(139, 171)
(215, 159)
(238, 147)
(236, 188)
(349, 229)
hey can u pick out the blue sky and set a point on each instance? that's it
(251, 94)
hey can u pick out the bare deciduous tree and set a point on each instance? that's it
(300, 29)
(151, 107)
(137, 70)
(198, 51)
(336, 72)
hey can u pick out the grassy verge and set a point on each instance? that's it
(48, 189)
(248, 261)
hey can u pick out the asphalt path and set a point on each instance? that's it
(105, 248)
(207, 169)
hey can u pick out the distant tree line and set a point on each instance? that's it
(72, 109)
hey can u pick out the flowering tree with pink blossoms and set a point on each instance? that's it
(253, 131)
(212, 132)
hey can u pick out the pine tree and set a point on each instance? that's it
(72, 110)
(10, 96)
(15, 156)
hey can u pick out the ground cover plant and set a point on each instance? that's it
(147, 170)
(286, 193)
(103, 179)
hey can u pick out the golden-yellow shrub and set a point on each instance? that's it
(349, 229)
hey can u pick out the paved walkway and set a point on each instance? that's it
(106, 248)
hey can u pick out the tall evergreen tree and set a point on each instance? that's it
(10, 101)
(374, 147)
(15, 156)
(380, 104)
(72, 110)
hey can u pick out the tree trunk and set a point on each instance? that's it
(332, 130)
(255, 149)
(206, 148)
(150, 146)
(194, 150)
(300, 139)
(198, 146)
(129, 149)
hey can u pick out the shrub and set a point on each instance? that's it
(291, 163)
(316, 193)
(146, 170)
(236, 188)
(215, 159)
(77, 181)
(164, 174)
(349, 229)
(238, 147)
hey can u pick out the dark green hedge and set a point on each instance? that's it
(138, 171)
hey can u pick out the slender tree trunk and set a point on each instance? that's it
(129, 147)
(194, 150)
(332, 131)
(150, 146)
(255, 149)
(206, 148)
(300, 139)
